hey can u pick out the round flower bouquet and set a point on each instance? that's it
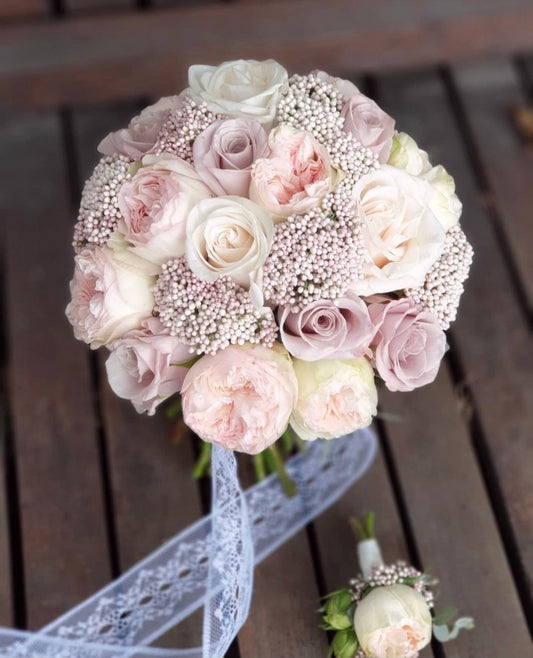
(268, 247)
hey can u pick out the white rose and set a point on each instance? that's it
(334, 397)
(443, 202)
(229, 236)
(403, 237)
(109, 298)
(405, 154)
(242, 88)
(393, 622)
(155, 203)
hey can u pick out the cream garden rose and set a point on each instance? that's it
(240, 88)
(109, 298)
(405, 154)
(402, 235)
(443, 200)
(334, 397)
(393, 622)
(229, 236)
(155, 204)
(240, 398)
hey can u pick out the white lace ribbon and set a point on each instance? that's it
(210, 563)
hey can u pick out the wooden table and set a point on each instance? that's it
(87, 487)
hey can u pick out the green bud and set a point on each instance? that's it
(345, 643)
(336, 610)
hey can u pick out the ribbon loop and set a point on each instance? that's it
(210, 563)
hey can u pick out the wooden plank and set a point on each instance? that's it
(449, 510)
(337, 545)
(283, 619)
(6, 604)
(154, 494)
(489, 91)
(73, 6)
(10, 9)
(92, 58)
(499, 381)
(64, 535)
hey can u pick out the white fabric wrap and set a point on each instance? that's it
(369, 554)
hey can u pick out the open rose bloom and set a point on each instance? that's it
(268, 248)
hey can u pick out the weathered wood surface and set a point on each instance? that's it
(51, 395)
(91, 58)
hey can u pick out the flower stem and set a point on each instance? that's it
(289, 486)
(259, 465)
(203, 463)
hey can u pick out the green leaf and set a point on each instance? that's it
(443, 634)
(187, 364)
(336, 610)
(173, 409)
(345, 643)
(370, 523)
(444, 615)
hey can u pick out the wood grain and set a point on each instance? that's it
(336, 542)
(92, 58)
(20, 9)
(489, 91)
(154, 495)
(6, 604)
(283, 618)
(64, 533)
(497, 376)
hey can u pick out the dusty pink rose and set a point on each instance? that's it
(327, 329)
(240, 398)
(155, 204)
(142, 366)
(109, 298)
(369, 124)
(224, 153)
(295, 177)
(345, 88)
(141, 134)
(409, 344)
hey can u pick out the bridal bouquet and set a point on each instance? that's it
(388, 611)
(268, 247)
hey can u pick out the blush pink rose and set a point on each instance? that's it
(295, 177)
(141, 134)
(369, 124)
(224, 153)
(240, 398)
(142, 366)
(109, 298)
(155, 204)
(327, 329)
(408, 344)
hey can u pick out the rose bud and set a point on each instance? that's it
(393, 622)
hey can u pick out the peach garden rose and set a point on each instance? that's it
(295, 177)
(155, 204)
(109, 298)
(240, 398)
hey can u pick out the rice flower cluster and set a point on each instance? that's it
(268, 247)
